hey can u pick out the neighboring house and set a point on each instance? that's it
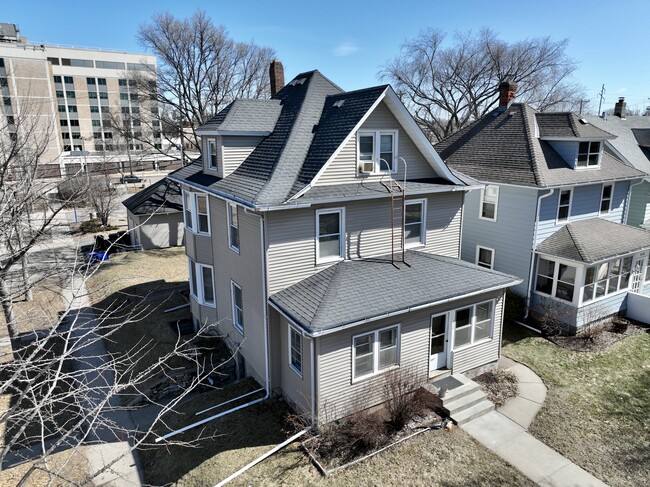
(294, 241)
(632, 144)
(155, 216)
(552, 212)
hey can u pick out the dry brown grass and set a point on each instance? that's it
(499, 385)
(71, 465)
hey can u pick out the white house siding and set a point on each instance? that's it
(336, 392)
(159, 231)
(511, 236)
(343, 168)
(639, 210)
(235, 150)
(291, 235)
(585, 204)
(295, 388)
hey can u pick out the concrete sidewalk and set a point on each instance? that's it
(505, 433)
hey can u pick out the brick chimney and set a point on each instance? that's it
(276, 73)
(619, 108)
(507, 93)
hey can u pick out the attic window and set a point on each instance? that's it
(588, 154)
(339, 103)
(299, 81)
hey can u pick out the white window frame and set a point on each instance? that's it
(326, 211)
(496, 203)
(589, 153)
(193, 225)
(609, 200)
(229, 208)
(291, 331)
(478, 254)
(199, 293)
(472, 325)
(577, 287)
(376, 134)
(375, 352)
(213, 153)
(236, 325)
(607, 280)
(559, 199)
(423, 223)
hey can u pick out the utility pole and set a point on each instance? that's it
(602, 97)
(581, 104)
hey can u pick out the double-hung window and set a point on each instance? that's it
(489, 202)
(414, 226)
(213, 160)
(564, 205)
(375, 351)
(473, 324)
(237, 306)
(606, 199)
(378, 147)
(196, 213)
(202, 283)
(329, 234)
(556, 279)
(233, 227)
(485, 257)
(588, 154)
(295, 350)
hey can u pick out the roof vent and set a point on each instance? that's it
(583, 121)
(339, 103)
(298, 81)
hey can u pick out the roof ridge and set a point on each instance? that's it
(361, 90)
(572, 122)
(530, 140)
(581, 250)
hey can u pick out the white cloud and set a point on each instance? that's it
(345, 48)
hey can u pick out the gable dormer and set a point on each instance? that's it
(230, 137)
(578, 142)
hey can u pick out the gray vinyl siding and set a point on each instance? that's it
(609, 305)
(291, 235)
(338, 394)
(159, 231)
(343, 168)
(295, 388)
(585, 204)
(511, 235)
(639, 210)
(275, 351)
(245, 268)
(234, 150)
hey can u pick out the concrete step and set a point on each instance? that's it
(465, 390)
(457, 404)
(473, 412)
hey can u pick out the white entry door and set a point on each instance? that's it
(438, 345)
(637, 272)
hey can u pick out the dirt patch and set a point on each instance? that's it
(597, 340)
(500, 385)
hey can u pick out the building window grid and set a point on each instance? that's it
(233, 227)
(556, 279)
(237, 306)
(330, 229)
(606, 198)
(295, 350)
(212, 154)
(607, 278)
(202, 283)
(588, 154)
(380, 148)
(415, 223)
(485, 257)
(564, 205)
(489, 203)
(196, 212)
(473, 324)
(375, 352)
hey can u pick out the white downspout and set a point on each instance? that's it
(313, 381)
(532, 252)
(629, 199)
(266, 304)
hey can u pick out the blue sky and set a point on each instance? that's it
(348, 41)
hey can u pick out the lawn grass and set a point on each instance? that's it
(432, 458)
(71, 465)
(597, 409)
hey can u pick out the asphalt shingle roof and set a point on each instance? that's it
(502, 147)
(161, 197)
(246, 116)
(626, 142)
(568, 124)
(594, 240)
(355, 290)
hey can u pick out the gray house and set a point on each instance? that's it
(301, 255)
(155, 216)
(553, 211)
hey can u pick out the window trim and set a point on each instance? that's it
(213, 150)
(472, 341)
(291, 330)
(579, 277)
(602, 198)
(199, 296)
(496, 203)
(376, 150)
(193, 227)
(559, 199)
(229, 207)
(589, 152)
(423, 223)
(237, 326)
(375, 352)
(341, 256)
(607, 294)
(492, 254)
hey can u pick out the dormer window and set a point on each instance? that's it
(377, 151)
(588, 154)
(213, 161)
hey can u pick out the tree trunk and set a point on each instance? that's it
(8, 308)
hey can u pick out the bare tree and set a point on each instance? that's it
(201, 69)
(447, 85)
(102, 196)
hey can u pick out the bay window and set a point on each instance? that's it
(375, 351)
(201, 283)
(196, 212)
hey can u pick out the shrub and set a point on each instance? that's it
(620, 324)
(499, 385)
(90, 226)
(400, 400)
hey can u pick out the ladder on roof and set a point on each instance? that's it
(397, 193)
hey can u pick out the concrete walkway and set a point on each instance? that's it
(504, 431)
